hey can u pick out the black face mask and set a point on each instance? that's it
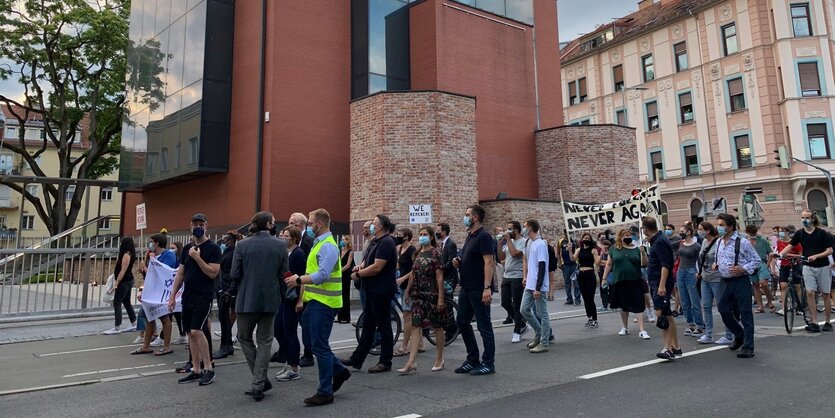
(627, 240)
(683, 236)
(437, 235)
(588, 243)
(398, 240)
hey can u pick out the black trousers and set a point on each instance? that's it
(376, 316)
(344, 314)
(512, 291)
(588, 285)
(121, 297)
(223, 311)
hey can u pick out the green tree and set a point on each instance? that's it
(70, 56)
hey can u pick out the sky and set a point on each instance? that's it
(577, 17)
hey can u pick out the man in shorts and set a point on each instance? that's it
(199, 266)
(817, 275)
(661, 283)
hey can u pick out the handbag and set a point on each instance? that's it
(106, 296)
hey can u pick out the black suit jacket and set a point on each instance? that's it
(450, 251)
(307, 244)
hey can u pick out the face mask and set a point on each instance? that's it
(807, 223)
(341, 244)
(634, 238)
(510, 231)
(498, 237)
(222, 247)
(702, 234)
(372, 229)
(668, 232)
(309, 231)
(781, 234)
(721, 229)
(198, 232)
(437, 235)
(398, 240)
(627, 240)
(752, 237)
(424, 240)
(151, 246)
(683, 235)
(588, 243)
(525, 231)
(468, 221)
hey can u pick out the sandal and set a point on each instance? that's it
(400, 353)
(759, 310)
(141, 351)
(163, 351)
(772, 308)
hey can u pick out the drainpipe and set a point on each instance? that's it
(535, 79)
(259, 158)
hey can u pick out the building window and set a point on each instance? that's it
(581, 89)
(572, 93)
(729, 39)
(620, 117)
(164, 157)
(648, 65)
(28, 222)
(652, 116)
(11, 132)
(818, 141)
(192, 155)
(818, 202)
(104, 223)
(32, 189)
(685, 109)
(38, 160)
(617, 75)
(3, 222)
(107, 194)
(581, 122)
(656, 164)
(680, 50)
(176, 156)
(736, 94)
(69, 193)
(742, 145)
(809, 81)
(691, 161)
(33, 134)
(801, 21)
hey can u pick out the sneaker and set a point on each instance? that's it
(523, 330)
(234, 339)
(688, 332)
(507, 320)
(288, 375)
(696, 333)
(306, 362)
(724, 341)
(539, 348)
(588, 323)
(191, 377)
(207, 377)
(113, 331)
(593, 324)
(781, 312)
(138, 340)
(182, 339)
(569, 302)
(644, 335)
(678, 352)
(186, 368)
(623, 331)
(635, 320)
(534, 342)
(813, 327)
(827, 327)
(515, 338)
(217, 333)
(577, 303)
(483, 370)
(666, 354)
(129, 328)
(465, 368)
(705, 339)
(158, 342)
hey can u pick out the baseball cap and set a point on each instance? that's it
(199, 217)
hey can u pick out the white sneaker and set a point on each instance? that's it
(234, 339)
(516, 338)
(138, 340)
(644, 335)
(524, 330)
(129, 328)
(182, 339)
(635, 321)
(623, 331)
(705, 339)
(650, 316)
(724, 341)
(217, 333)
(158, 342)
(113, 331)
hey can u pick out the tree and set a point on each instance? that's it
(70, 56)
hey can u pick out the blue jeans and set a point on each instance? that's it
(469, 304)
(689, 296)
(568, 270)
(318, 319)
(735, 307)
(710, 291)
(535, 312)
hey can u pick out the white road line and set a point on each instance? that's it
(410, 416)
(86, 350)
(147, 366)
(647, 363)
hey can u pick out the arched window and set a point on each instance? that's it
(665, 217)
(696, 211)
(817, 203)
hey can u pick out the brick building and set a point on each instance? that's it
(714, 87)
(360, 107)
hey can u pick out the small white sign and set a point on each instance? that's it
(420, 214)
(141, 219)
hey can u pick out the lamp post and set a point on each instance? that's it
(625, 104)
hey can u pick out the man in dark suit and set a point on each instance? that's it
(299, 221)
(448, 252)
(258, 267)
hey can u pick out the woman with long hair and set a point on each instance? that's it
(344, 315)
(627, 292)
(405, 259)
(710, 282)
(122, 286)
(587, 258)
(691, 302)
(425, 291)
(287, 318)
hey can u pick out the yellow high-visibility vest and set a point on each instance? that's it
(330, 292)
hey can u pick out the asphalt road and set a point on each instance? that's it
(789, 375)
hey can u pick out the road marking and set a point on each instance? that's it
(410, 416)
(646, 363)
(147, 366)
(86, 350)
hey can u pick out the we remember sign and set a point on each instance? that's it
(420, 214)
(158, 285)
(580, 217)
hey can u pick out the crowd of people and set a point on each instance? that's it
(272, 281)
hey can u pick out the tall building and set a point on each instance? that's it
(713, 88)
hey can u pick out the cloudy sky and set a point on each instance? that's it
(581, 16)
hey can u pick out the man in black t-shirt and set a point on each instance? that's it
(199, 266)
(476, 266)
(377, 272)
(817, 275)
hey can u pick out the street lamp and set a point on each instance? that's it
(623, 99)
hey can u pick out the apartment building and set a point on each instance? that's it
(713, 88)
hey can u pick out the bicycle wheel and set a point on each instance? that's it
(396, 325)
(790, 308)
(358, 329)
(451, 332)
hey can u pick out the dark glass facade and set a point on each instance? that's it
(180, 51)
(519, 10)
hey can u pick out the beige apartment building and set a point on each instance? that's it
(105, 200)
(713, 88)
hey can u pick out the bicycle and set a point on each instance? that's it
(795, 304)
(396, 313)
(451, 331)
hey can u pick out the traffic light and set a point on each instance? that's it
(782, 157)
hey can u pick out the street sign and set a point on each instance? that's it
(141, 218)
(719, 205)
(771, 198)
(420, 214)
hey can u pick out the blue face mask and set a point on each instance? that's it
(634, 238)
(468, 221)
(702, 234)
(372, 229)
(198, 232)
(151, 246)
(223, 248)
(807, 223)
(309, 231)
(781, 234)
(424, 240)
(341, 244)
(668, 232)
(721, 229)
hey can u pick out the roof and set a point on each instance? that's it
(653, 16)
(35, 120)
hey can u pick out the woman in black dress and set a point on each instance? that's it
(344, 315)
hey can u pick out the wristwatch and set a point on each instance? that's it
(299, 280)
(487, 287)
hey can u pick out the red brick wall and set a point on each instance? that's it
(591, 163)
(413, 148)
(548, 64)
